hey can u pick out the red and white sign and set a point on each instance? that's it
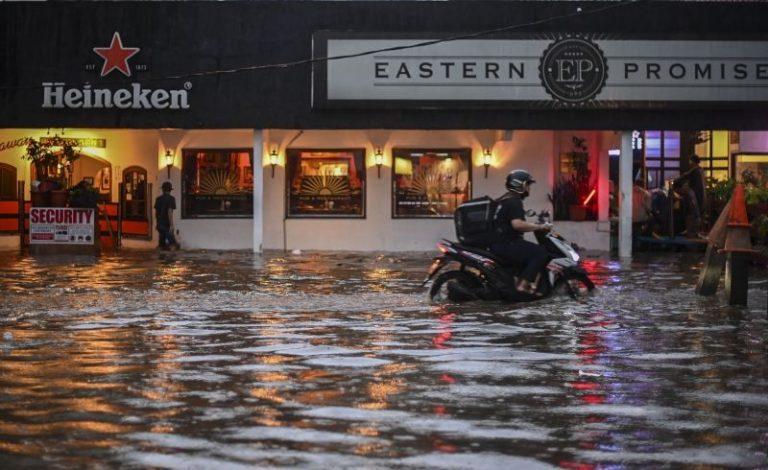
(61, 225)
(57, 95)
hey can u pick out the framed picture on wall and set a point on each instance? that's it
(106, 178)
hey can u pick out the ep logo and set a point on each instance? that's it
(573, 70)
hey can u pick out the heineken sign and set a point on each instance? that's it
(57, 95)
(134, 95)
(571, 71)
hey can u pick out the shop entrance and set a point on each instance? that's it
(97, 171)
(135, 200)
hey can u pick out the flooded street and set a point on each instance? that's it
(228, 360)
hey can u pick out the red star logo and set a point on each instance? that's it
(116, 56)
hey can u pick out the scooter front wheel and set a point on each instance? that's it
(454, 286)
(576, 283)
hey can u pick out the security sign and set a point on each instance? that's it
(61, 226)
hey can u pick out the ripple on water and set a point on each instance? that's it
(352, 362)
(485, 368)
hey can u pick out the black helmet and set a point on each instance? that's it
(167, 186)
(516, 181)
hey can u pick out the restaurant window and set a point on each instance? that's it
(217, 183)
(430, 183)
(7, 182)
(326, 183)
(662, 157)
(713, 148)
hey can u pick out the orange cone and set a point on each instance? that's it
(737, 238)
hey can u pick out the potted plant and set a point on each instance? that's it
(569, 193)
(563, 197)
(719, 193)
(52, 159)
(83, 195)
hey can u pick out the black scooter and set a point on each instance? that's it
(481, 275)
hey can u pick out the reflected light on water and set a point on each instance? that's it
(214, 360)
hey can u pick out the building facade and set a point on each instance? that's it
(423, 105)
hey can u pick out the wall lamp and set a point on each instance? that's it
(378, 158)
(273, 158)
(169, 158)
(487, 157)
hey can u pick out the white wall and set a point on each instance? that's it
(379, 231)
(229, 234)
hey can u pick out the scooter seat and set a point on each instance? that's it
(496, 258)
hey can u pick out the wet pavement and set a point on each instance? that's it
(228, 360)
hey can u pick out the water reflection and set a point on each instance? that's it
(205, 359)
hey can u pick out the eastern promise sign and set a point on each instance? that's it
(574, 71)
(61, 226)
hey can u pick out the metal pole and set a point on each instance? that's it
(625, 192)
(258, 190)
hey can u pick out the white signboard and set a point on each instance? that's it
(567, 71)
(61, 226)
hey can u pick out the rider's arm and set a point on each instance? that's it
(523, 226)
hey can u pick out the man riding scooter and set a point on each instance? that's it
(510, 227)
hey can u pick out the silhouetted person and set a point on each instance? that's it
(164, 207)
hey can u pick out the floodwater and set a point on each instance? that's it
(229, 360)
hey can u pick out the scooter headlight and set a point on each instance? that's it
(575, 256)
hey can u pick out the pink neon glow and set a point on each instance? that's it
(589, 198)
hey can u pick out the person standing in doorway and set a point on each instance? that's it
(164, 207)
(697, 183)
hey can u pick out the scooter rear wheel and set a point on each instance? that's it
(454, 286)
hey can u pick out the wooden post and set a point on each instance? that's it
(120, 205)
(20, 199)
(737, 278)
(714, 262)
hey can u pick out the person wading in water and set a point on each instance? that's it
(164, 207)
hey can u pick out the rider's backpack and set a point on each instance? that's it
(475, 222)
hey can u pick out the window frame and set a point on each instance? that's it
(295, 153)
(393, 197)
(709, 160)
(662, 158)
(184, 151)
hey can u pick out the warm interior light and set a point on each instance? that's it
(169, 157)
(589, 197)
(752, 158)
(378, 157)
(273, 157)
(487, 157)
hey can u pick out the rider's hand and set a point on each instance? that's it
(545, 227)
